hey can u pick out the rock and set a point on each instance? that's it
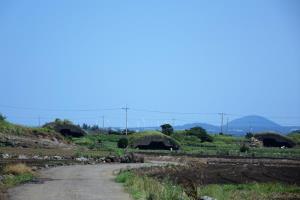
(207, 198)
(46, 166)
(255, 142)
(1, 178)
(112, 159)
(37, 158)
(34, 168)
(23, 157)
(132, 158)
(5, 156)
(57, 157)
(81, 159)
(46, 158)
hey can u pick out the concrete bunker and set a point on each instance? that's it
(66, 129)
(154, 141)
(274, 140)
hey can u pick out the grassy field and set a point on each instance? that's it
(15, 174)
(222, 145)
(105, 144)
(147, 188)
(98, 145)
(14, 129)
(250, 191)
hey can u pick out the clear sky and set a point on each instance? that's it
(237, 57)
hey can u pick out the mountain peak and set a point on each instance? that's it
(253, 121)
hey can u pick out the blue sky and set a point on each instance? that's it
(206, 57)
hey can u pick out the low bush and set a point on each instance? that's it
(123, 143)
(143, 187)
(244, 148)
(200, 133)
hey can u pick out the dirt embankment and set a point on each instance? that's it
(32, 141)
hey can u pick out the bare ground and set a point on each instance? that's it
(79, 182)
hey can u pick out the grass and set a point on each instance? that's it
(16, 174)
(222, 145)
(17, 169)
(8, 128)
(250, 191)
(295, 136)
(146, 188)
(148, 134)
(13, 180)
(98, 145)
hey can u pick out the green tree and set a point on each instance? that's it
(200, 133)
(2, 117)
(167, 129)
(123, 143)
(249, 135)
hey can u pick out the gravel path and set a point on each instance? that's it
(79, 182)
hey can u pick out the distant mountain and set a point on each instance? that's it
(240, 126)
(253, 121)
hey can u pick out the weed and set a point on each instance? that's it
(17, 169)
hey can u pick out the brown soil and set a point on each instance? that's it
(199, 173)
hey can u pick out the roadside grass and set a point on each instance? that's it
(250, 191)
(17, 169)
(13, 180)
(146, 188)
(16, 174)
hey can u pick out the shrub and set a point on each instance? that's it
(167, 129)
(244, 148)
(200, 133)
(17, 169)
(2, 117)
(123, 143)
(249, 135)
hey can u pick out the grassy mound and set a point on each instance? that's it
(8, 128)
(295, 136)
(275, 139)
(66, 128)
(148, 136)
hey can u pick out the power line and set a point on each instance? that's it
(168, 112)
(57, 109)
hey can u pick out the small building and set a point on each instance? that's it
(153, 141)
(66, 128)
(274, 140)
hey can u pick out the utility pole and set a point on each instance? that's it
(39, 118)
(227, 125)
(222, 120)
(103, 122)
(126, 111)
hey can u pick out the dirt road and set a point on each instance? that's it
(79, 182)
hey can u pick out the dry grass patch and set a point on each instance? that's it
(17, 169)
